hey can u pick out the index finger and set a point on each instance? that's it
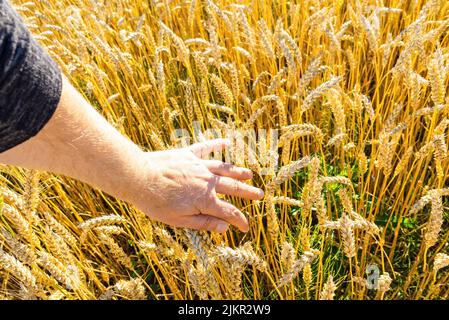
(232, 187)
(203, 149)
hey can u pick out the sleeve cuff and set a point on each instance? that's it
(30, 85)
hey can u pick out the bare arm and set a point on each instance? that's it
(176, 186)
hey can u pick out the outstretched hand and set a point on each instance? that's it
(179, 187)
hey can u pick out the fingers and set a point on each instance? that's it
(207, 223)
(203, 149)
(237, 188)
(225, 211)
(228, 170)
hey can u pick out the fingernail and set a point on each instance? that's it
(222, 227)
(261, 193)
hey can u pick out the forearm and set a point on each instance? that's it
(78, 142)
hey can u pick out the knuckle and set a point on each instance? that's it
(211, 177)
(235, 216)
(189, 150)
(223, 210)
(206, 178)
(236, 187)
(235, 213)
(208, 201)
(237, 170)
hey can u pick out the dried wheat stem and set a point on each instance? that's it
(287, 172)
(22, 226)
(130, 289)
(18, 270)
(116, 251)
(100, 221)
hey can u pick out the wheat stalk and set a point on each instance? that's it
(18, 270)
(328, 292)
(318, 91)
(116, 251)
(441, 261)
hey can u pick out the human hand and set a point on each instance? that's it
(179, 187)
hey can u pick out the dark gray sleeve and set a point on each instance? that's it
(30, 81)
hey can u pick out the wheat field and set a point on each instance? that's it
(355, 186)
